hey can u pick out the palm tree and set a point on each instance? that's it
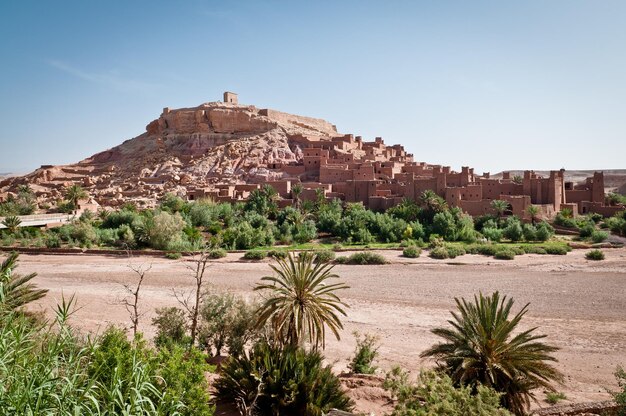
(75, 193)
(296, 191)
(12, 223)
(431, 201)
(480, 348)
(301, 302)
(533, 211)
(500, 207)
(15, 290)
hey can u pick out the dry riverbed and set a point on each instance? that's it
(579, 304)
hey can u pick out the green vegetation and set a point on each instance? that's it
(482, 347)
(620, 395)
(436, 394)
(412, 252)
(505, 254)
(362, 258)
(324, 256)
(365, 353)
(49, 368)
(273, 380)
(255, 255)
(553, 397)
(300, 301)
(594, 255)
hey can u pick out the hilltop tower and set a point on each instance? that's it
(231, 98)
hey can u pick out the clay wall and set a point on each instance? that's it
(335, 173)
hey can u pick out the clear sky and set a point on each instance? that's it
(491, 84)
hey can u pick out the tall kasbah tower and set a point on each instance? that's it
(562, 177)
(597, 187)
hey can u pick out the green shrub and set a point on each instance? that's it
(216, 253)
(557, 250)
(587, 230)
(365, 353)
(277, 254)
(513, 230)
(411, 252)
(173, 255)
(341, 260)
(455, 251)
(435, 394)
(52, 241)
(535, 250)
(492, 234)
(599, 236)
(594, 255)
(505, 254)
(487, 249)
(620, 395)
(324, 256)
(285, 381)
(255, 255)
(366, 257)
(170, 323)
(553, 397)
(226, 321)
(439, 253)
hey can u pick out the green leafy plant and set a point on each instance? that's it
(255, 255)
(289, 381)
(439, 253)
(17, 290)
(412, 252)
(173, 256)
(365, 257)
(594, 255)
(324, 256)
(365, 353)
(482, 346)
(435, 394)
(301, 301)
(505, 254)
(170, 323)
(620, 395)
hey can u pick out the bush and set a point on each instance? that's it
(365, 257)
(599, 236)
(365, 353)
(505, 254)
(173, 256)
(163, 229)
(277, 254)
(217, 253)
(620, 396)
(435, 394)
(255, 255)
(439, 253)
(226, 321)
(52, 241)
(170, 323)
(587, 230)
(285, 381)
(513, 230)
(341, 260)
(493, 234)
(412, 252)
(544, 231)
(455, 251)
(324, 256)
(535, 250)
(594, 255)
(557, 250)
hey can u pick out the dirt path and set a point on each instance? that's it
(580, 304)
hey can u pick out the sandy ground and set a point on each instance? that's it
(580, 304)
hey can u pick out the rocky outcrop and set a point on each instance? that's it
(189, 147)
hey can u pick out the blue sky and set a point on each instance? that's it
(491, 84)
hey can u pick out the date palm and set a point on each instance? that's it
(12, 223)
(533, 211)
(296, 191)
(484, 347)
(500, 207)
(75, 193)
(301, 301)
(16, 290)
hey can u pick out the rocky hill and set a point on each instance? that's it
(215, 142)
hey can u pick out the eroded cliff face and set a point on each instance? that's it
(212, 143)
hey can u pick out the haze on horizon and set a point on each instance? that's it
(493, 85)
